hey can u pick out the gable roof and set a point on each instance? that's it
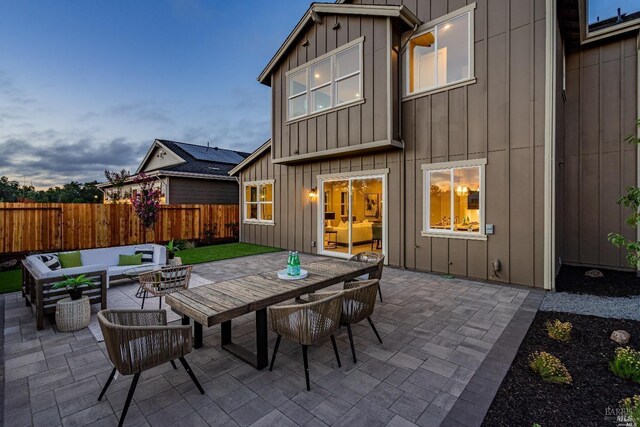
(197, 158)
(314, 14)
(253, 156)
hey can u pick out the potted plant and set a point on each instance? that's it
(171, 249)
(74, 285)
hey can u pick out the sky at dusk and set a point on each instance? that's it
(88, 85)
(609, 8)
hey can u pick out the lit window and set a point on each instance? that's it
(332, 81)
(258, 202)
(453, 204)
(439, 56)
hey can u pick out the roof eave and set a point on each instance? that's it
(156, 142)
(400, 12)
(257, 153)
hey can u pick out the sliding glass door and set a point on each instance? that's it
(352, 217)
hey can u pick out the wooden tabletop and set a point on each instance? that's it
(215, 303)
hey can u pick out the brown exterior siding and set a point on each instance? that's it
(349, 126)
(188, 190)
(500, 118)
(596, 164)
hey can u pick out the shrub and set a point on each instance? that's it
(626, 364)
(550, 368)
(559, 331)
(631, 407)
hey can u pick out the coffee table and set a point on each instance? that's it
(134, 272)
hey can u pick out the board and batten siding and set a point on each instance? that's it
(359, 123)
(204, 191)
(500, 118)
(596, 164)
(296, 215)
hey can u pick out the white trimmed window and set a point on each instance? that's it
(440, 53)
(454, 199)
(330, 81)
(258, 202)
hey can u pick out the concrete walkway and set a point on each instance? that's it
(447, 345)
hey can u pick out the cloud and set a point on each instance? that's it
(61, 161)
(142, 112)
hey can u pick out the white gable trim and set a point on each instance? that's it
(146, 158)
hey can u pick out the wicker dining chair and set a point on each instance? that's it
(138, 340)
(307, 324)
(358, 302)
(164, 281)
(372, 258)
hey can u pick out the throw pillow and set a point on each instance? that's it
(130, 259)
(147, 255)
(70, 259)
(50, 261)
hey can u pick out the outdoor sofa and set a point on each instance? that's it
(40, 273)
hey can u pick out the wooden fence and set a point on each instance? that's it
(30, 227)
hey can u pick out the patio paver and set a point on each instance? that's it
(446, 345)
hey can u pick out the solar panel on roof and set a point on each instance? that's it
(212, 154)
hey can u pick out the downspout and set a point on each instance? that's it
(549, 146)
(240, 208)
(403, 157)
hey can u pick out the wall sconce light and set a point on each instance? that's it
(462, 191)
(313, 193)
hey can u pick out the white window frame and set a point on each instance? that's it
(432, 26)
(258, 185)
(427, 231)
(333, 82)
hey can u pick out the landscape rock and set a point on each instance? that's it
(620, 336)
(8, 264)
(594, 273)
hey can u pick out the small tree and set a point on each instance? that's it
(146, 201)
(630, 200)
(117, 180)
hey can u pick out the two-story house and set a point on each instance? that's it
(481, 139)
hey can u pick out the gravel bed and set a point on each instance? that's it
(611, 307)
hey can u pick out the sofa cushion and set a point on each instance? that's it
(130, 259)
(147, 255)
(70, 259)
(51, 261)
(108, 256)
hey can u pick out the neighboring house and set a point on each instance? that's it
(187, 173)
(482, 139)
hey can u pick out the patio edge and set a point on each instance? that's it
(474, 402)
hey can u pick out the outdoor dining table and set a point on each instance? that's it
(220, 302)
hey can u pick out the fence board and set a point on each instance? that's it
(31, 227)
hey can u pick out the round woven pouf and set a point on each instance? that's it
(73, 315)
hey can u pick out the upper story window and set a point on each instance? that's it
(440, 53)
(258, 202)
(330, 81)
(606, 17)
(454, 203)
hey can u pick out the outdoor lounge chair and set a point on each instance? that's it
(165, 281)
(373, 258)
(358, 302)
(307, 324)
(138, 340)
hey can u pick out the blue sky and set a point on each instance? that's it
(88, 85)
(608, 8)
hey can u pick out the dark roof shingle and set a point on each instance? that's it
(194, 165)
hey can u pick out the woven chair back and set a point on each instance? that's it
(359, 300)
(372, 258)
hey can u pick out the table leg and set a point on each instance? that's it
(197, 334)
(258, 360)
(262, 339)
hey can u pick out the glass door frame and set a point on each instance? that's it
(350, 177)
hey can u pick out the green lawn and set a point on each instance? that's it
(219, 252)
(10, 281)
